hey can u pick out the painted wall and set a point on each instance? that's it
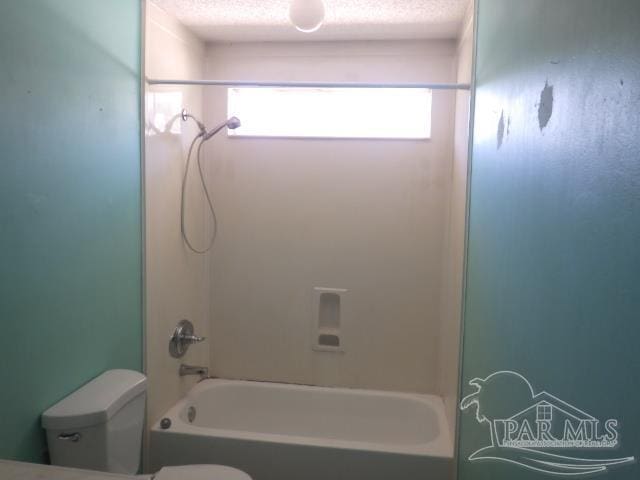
(553, 287)
(368, 216)
(70, 273)
(454, 244)
(177, 284)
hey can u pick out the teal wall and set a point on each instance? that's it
(553, 278)
(70, 217)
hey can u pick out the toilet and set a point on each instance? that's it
(100, 425)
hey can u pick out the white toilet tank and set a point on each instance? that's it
(99, 426)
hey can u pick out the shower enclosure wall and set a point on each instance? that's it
(380, 220)
(177, 281)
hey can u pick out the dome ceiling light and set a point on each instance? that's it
(307, 15)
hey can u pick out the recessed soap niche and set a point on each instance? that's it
(328, 319)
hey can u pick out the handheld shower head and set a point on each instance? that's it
(232, 124)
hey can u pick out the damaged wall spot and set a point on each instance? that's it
(501, 130)
(545, 107)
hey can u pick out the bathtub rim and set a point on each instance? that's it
(440, 447)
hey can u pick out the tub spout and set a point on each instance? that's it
(193, 370)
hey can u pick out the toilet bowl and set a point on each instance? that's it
(100, 425)
(200, 472)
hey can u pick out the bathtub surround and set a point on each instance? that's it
(553, 257)
(367, 216)
(454, 244)
(177, 280)
(362, 222)
(70, 225)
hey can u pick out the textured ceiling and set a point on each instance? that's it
(267, 20)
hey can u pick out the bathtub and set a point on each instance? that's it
(278, 431)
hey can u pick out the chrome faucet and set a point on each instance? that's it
(182, 338)
(193, 370)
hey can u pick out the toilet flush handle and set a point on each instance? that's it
(70, 437)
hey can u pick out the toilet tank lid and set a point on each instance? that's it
(95, 402)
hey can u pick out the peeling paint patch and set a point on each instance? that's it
(501, 130)
(545, 107)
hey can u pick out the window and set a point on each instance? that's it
(544, 412)
(393, 113)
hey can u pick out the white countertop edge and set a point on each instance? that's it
(11, 470)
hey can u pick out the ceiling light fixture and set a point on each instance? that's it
(307, 15)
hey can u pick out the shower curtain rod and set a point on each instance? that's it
(230, 83)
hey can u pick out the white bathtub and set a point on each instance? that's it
(275, 431)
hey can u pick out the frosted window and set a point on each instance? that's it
(402, 113)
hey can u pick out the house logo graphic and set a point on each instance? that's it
(538, 431)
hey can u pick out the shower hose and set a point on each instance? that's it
(200, 140)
